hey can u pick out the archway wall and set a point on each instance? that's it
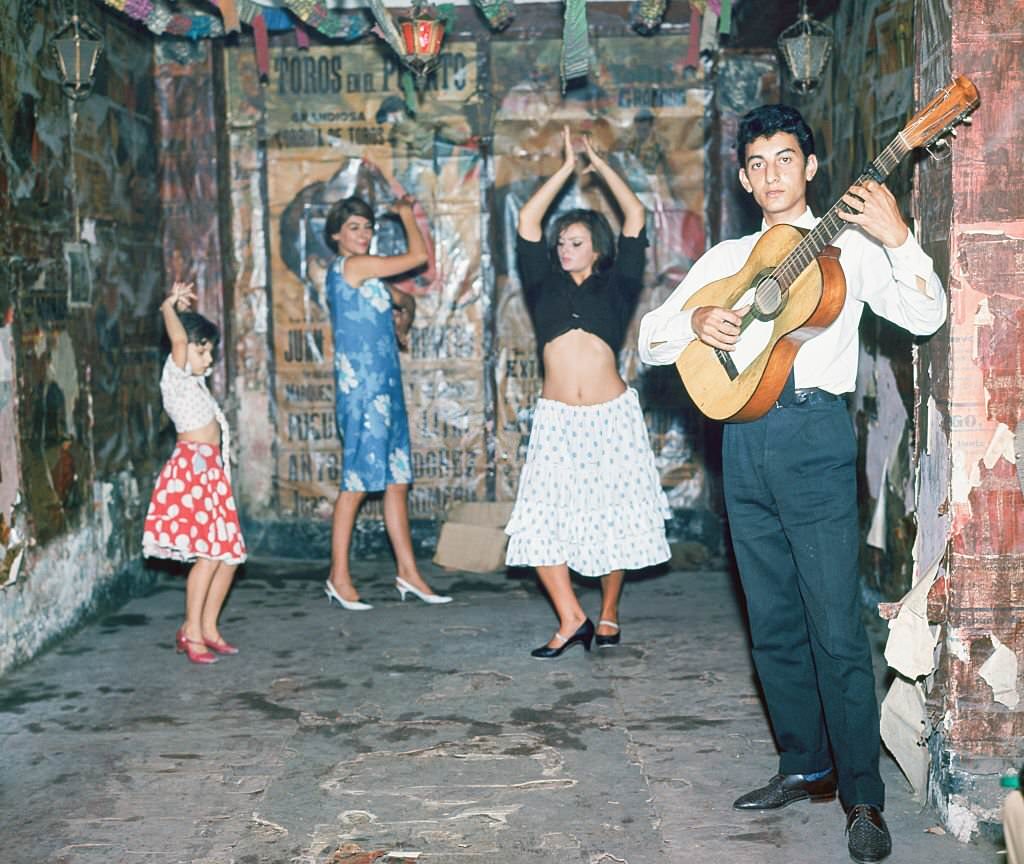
(332, 121)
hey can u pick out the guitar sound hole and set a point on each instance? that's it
(769, 298)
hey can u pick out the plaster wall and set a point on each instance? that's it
(80, 419)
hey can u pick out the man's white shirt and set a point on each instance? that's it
(885, 279)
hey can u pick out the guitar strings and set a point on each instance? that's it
(831, 224)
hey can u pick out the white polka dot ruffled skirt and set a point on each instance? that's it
(589, 494)
(192, 510)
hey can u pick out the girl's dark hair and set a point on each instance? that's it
(601, 235)
(199, 329)
(339, 214)
(765, 121)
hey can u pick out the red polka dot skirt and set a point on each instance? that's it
(192, 511)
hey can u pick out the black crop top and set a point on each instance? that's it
(602, 305)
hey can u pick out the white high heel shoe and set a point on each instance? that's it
(405, 588)
(351, 605)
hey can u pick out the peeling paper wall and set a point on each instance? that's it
(80, 418)
(12, 538)
(938, 419)
(189, 180)
(975, 697)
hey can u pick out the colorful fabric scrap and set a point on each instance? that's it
(160, 18)
(647, 16)
(498, 13)
(575, 42)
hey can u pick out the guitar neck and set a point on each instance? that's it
(830, 225)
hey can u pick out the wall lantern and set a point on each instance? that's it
(422, 34)
(806, 47)
(77, 46)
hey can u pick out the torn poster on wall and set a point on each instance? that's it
(334, 132)
(336, 124)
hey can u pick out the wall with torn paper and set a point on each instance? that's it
(80, 418)
(332, 121)
(975, 698)
(938, 419)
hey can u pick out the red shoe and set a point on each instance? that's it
(204, 657)
(221, 647)
(179, 639)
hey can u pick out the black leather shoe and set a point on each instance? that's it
(867, 836)
(784, 789)
(584, 635)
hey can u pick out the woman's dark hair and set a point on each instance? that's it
(339, 214)
(199, 329)
(765, 121)
(601, 235)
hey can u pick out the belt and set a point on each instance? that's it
(809, 396)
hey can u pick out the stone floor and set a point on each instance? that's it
(411, 733)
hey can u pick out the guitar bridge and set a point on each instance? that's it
(727, 364)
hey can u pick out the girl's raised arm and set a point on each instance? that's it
(181, 293)
(359, 268)
(633, 214)
(532, 213)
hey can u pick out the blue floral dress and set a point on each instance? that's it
(369, 404)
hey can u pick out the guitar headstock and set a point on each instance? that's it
(950, 107)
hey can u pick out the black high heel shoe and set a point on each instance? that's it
(584, 635)
(612, 638)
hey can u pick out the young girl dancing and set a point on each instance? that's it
(192, 514)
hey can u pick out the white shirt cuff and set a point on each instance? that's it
(664, 342)
(910, 263)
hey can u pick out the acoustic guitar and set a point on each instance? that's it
(794, 285)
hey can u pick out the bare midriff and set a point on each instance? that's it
(208, 434)
(580, 369)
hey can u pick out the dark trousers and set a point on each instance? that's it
(791, 496)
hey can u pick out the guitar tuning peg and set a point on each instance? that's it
(968, 120)
(939, 150)
(953, 133)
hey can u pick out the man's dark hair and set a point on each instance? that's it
(339, 214)
(601, 235)
(199, 329)
(765, 121)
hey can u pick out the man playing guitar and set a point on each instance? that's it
(790, 478)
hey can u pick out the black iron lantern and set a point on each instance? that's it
(806, 46)
(77, 46)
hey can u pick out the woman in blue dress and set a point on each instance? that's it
(369, 404)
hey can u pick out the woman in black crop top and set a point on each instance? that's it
(589, 497)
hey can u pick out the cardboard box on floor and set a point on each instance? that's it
(473, 538)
